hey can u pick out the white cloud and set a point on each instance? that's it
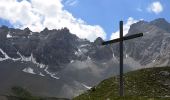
(126, 27)
(155, 7)
(71, 2)
(38, 14)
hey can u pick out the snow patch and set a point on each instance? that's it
(53, 75)
(41, 74)
(104, 63)
(26, 59)
(71, 61)
(7, 57)
(114, 55)
(28, 70)
(88, 58)
(126, 56)
(79, 50)
(88, 87)
(84, 45)
(31, 59)
(78, 53)
(1, 59)
(147, 32)
(9, 36)
(31, 33)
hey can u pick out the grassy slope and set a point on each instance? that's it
(144, 84)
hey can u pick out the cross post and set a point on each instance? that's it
(121, 59)
(120, 40)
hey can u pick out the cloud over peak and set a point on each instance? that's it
(38, 14)
(126, 28)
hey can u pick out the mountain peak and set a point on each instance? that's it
(163, 20)
(161, 23)
(98, 41)
(45, 29)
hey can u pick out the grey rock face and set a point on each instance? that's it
(53, 55)
(152, 48)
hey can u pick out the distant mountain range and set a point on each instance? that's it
(59, 64)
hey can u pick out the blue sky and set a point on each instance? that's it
(100, 17)
(108, 13)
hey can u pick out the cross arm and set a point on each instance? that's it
(124, 38)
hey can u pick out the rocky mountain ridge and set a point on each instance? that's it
(68, 65)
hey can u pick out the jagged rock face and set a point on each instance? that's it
(72, 63)
(153, 46)
(56, 47)
(55, 54)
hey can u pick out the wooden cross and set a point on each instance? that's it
(121, 39)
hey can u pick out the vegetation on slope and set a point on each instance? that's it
(19, 93)
(144, 84)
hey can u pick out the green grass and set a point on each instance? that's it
(144, 84)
